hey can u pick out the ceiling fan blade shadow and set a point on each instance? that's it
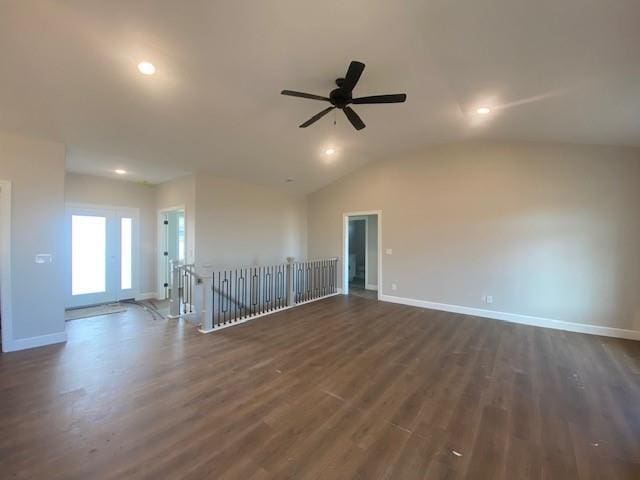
(354, 118)
(393, 98)
(316, 117)
(352, 76)
(291, 93)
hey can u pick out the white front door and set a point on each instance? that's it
(104, 251)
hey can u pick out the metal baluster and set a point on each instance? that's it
(229, 296)
(184, 290)
(271, 296)
(270, 286)
(191, 292)
(220, 320)
(254, 292)
(267, 281)
(213, 299)
(245, 303)
(260, 289)
(315, 280)
(235, 296)
(280, 285)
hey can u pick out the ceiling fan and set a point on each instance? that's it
(341, 97)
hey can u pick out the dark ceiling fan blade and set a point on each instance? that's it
(291, 93)
(353, 117)
(316, 117)
(395, 98)
(352, 76)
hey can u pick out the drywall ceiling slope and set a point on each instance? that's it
(552, 71)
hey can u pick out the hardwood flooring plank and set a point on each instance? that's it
(346, 387)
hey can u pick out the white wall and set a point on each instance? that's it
(36, 169)
(550, 231)
(122, 193)
(239, 223)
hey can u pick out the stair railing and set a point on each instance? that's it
(236, 295)
(183, 290)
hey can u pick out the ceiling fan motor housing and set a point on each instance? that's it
(339, 98)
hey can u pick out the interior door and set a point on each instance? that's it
(103, 256)
(173, 245)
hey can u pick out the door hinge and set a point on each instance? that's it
(166, 253)
(166, 222)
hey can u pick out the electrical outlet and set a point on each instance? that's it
(488, 299)
(394, 286)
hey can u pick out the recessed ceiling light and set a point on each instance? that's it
(330, 151)
(483, 110)
(119, 171)
(146, 68)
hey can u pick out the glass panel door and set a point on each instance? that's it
(91, 257)
(126, 263)
(88, 254)
(103, 244)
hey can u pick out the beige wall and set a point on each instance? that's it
(36, 170)
(550, 231)
(239, 223)
(121, 193)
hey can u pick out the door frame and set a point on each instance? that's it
(129, 212)
(5, 266)
(160, 246)
(345, 248)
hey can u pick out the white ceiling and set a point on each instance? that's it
(552, 70)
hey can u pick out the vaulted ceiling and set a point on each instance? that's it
(550, 70)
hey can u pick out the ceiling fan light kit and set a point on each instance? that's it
(342, 97)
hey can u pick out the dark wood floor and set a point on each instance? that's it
(339, 389)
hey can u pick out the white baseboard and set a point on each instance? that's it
(518, 318)
(39, 341)
(147, 296)
(244, 320)
(371, 286)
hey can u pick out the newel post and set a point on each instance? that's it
(206, 312)
(290, 277)
(174, 295)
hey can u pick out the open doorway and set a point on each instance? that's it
(361, 254)
(171, 245)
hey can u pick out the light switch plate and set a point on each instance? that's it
(44, 258)
(389, 251)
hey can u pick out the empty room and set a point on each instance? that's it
(294, 239)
